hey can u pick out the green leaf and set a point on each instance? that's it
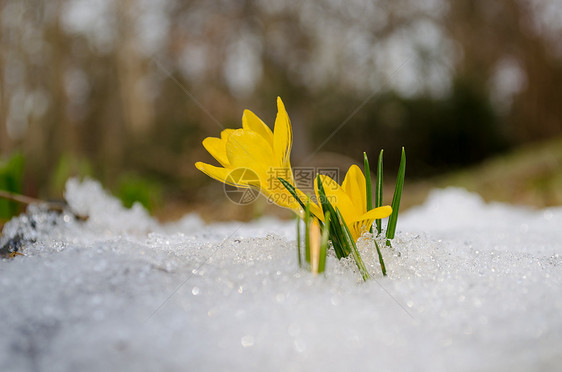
(378, 191)
(132, 188)
(336, 235)
(293, 191)
(393, 219)
(368, 187)
(354, 251)
(299, 241)
(70, 165)
(11, 180)
(307, 232)
(324, 244)
(381, 261)
(378, 201)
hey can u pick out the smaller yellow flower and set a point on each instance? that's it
(351, 199)
(254, 157)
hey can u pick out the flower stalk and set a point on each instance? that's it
(315, 242)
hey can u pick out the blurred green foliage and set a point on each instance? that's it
(129, 188)
(69, 166)
(11, 180)
(132, 188)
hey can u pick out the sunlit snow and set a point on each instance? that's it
(470, 286)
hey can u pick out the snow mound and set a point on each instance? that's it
(470, 286)
(104, 212)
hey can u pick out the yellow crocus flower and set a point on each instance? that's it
(351, 199)
(256, 148)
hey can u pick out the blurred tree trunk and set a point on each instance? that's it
(536, 112)
(52, 135)
(490, 31)
(132, 72)
(5, 143)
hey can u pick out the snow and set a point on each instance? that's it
(471, 287)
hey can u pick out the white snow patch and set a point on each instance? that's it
(470, 286)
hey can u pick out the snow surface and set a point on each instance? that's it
(470, 287)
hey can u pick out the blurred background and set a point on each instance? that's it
(124, 91)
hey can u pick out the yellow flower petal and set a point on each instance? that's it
(364, 222)
(377, 213)
(248, 149)
(217, 148)
(251, 122)
(317, 211)
(223, 175)
(357, 228)
(314, 208)
(354, 186)
(282, 136)
(337, 197)
(254, 156)
(226, 133)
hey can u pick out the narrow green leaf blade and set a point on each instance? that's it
(393, 219)
(354, 251)
(292, 190)
(368, 187)
(299, 241)
(324, 244)
(307, 232)
(381, 260)
(336, 235)
(378, 191)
